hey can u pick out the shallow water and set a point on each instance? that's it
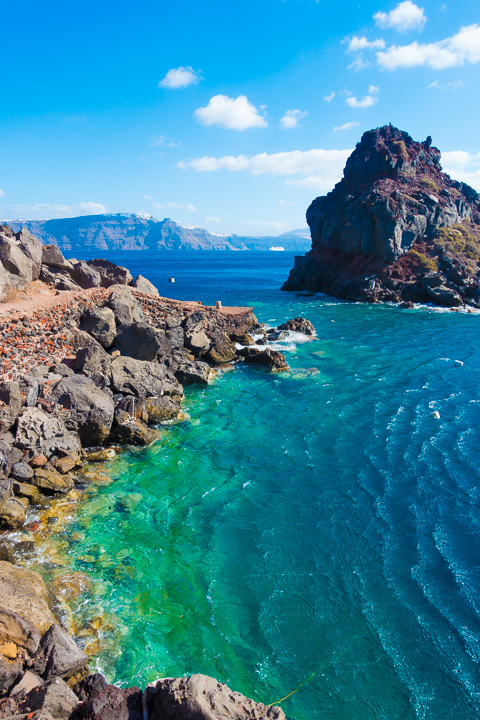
(314, 530)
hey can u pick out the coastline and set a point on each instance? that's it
(49, 344)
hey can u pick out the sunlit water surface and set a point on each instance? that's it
(316, 529)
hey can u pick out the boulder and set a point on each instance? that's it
(5, 489)
(272, 359)
(48, 479)
(189, 373)
(59, 279)
(31, 246)
(199, 697)
(10, 404)
(44, 434)
(28, 682)
(242, 338)
(175, 336)
(27, 490)
(28, 390)
(65, 464)
(52, 256)
(130, 406)
(160, 409)
(443, 295)
(143, 379)
(61, 369)
(24, 606)
(195, 338)
(82, 339)
(110, 273)
(13, 511)
(142, 341)
(58, 655)
(145, 286)
(54, 697)
(222, 349)
(5, 463)
(125, 308)
(92, 407)
(10, 672)
(101, 701)
(16, 262)
(21, 471)
(85, 276)
(6, 552)
(133, 432)
(298, 324)
(100, 323)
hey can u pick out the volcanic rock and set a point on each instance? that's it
(144, 286)
(24, 609)
(298, 324)
(44, 434)
(110, 273)
(100, 322)
(392, 219)
(58, 655)
(143, 379)
(93, 409)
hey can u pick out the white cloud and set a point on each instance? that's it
(451, 85)
(284, 203)
(49, 211)
(161, 140)
(345, 126)
(291, 118)
(2, 194)
(180, 77)
(361, 43)
(176, 206)
(406, 16)
(92, 208)
(238, 114)
(329, 98)
(464, 166)
(366, 101)
(359, 64)
(148, 197)
(461, 48)
(322, 168)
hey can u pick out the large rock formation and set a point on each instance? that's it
(394, 228)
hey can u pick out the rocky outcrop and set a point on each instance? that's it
(392, 220)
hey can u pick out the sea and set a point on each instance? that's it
(309, 537)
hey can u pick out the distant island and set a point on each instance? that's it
(395, 228)
(139, 231)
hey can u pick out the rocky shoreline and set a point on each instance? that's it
(92, 361)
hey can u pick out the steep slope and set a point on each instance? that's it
(394, 228)
(128, 231)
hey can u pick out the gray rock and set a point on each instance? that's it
(198, 342)
(59, 279)
(6, 552)
(28, 390)
(134, 432)
(14, 628)
(10, 672)
(54, 697)
(222, 349)
(52, 256)
(110, 273)
(175, 337)
(10, 404)
(95, 363)
(189, 373)
(21, 471)
(61, 369)
(16, 262)
(298, 324)
(100, 322)
(5, 489)
(58, 655)
(31, 246)
(82, 340)
(160, 409)
(199, 697)
(272, 359)
(44, 434)
(445, 296)
(93, 408)
(5, 463)
(125, 308)
(142, 342)
(130, 406)
(145, 286)
(85, 276)
(143, 379)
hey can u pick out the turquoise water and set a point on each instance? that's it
(315, 527)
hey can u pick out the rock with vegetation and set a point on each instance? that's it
(394, 218)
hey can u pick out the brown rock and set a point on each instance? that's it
(38, 461)
(65, 464)
(50, 479)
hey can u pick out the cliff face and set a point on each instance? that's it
(130, 231)
(395, 216)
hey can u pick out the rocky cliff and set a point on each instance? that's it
(394, 228)
(130, 231)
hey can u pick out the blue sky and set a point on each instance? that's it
(230, 116)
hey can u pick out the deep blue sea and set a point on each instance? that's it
(315, 531)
